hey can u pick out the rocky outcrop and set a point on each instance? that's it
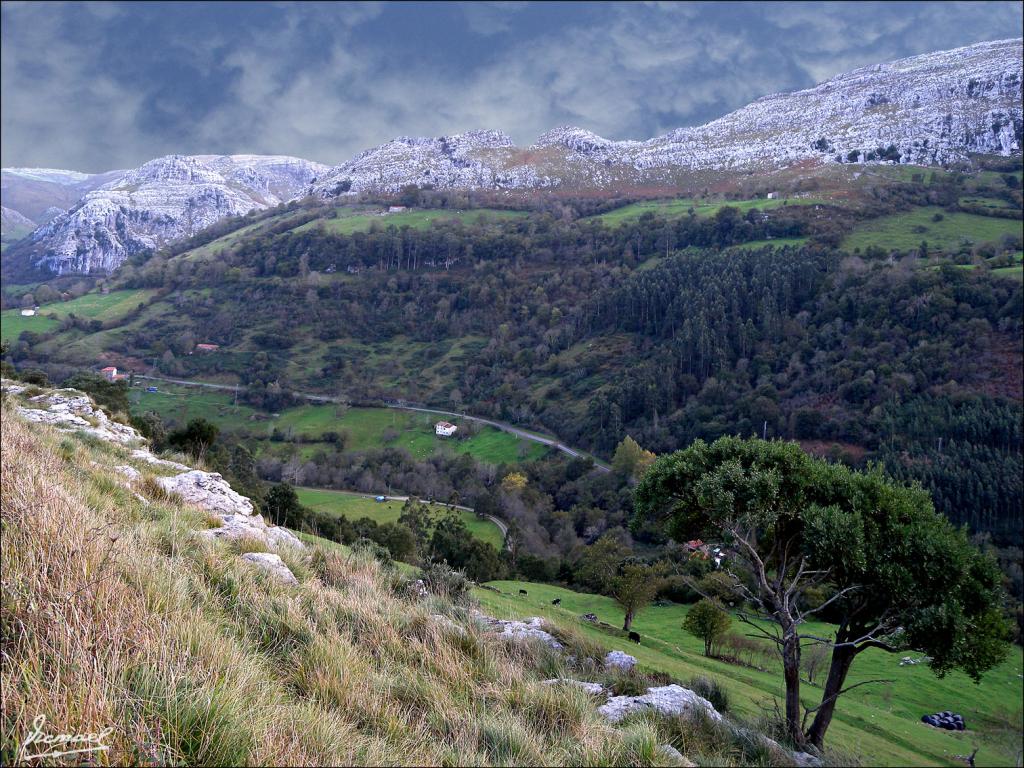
(670, 700)
(71, 411)
(530, 629)
(272, 564)
(619, 660)
(208, 491)
(164, 200)
(594, 689)
(931, 109)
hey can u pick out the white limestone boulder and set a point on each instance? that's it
(208, 491)
(530, 629)
(619, 660)
(670, 700)
(272, 564)
(594, 689)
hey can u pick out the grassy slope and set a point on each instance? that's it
(897, 232)
(349, 221)
(354, 505)
(878, 723)
(93, 306)
(128, 620)
(365, 427)
(680, 207)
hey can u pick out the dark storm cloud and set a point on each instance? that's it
(94, 86)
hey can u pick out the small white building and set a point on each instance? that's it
(772, 195)
(444, 429)
(27, 312)
(396, 209)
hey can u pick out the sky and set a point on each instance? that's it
(102, 86)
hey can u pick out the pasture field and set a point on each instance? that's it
(905, 231)
(364, 428)
(92, 306)
(355, 505)
(879, 724)
(680, 207)
(349, 221)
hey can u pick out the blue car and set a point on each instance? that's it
(151, 389)
(380, 498)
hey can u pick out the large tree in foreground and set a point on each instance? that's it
(902, 577)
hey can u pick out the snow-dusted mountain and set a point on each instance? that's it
(40, 194)
(931, 109)
(165, 199)
(13, 225)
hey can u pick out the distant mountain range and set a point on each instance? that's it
(932, 109)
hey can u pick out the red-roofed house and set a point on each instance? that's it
(109, 373)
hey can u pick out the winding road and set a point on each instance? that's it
(551, 442)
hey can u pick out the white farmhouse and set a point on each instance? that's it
(444, 429)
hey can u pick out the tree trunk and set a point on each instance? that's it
(842, 658)
(628, 622)
(791, 673)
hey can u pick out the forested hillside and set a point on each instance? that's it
(692, 320)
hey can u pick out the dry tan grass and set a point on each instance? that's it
(117, 614)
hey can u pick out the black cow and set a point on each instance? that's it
(635, 637)
(522, 592)
(557, 601)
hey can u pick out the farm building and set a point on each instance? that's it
(444, 429)
(109, 373)
(396, 209)
(207, 347)
(27, 312)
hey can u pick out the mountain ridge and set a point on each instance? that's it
(932, 109)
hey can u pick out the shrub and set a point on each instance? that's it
(446, 582)
(708, 621)
(710, 689)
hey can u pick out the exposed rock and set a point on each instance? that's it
(165, 199)
(619, 660)
(143, 455)
(272, 564)
(668, 700)
(530, 629)
(71, 411)
(128, 471)
(11, 388)
(673, 755)
(207, 490)
(806, 760)
(595, 689)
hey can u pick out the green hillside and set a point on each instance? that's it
(354, 506)
(878, 724)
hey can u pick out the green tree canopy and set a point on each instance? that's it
(708, 621)
(904, 577)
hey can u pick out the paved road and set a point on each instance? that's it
(521, 433)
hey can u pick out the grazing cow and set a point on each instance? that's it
(557, 601)
(635, 637)
(522, 592)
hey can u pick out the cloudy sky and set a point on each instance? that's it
(98, 86)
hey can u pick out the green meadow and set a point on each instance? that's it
(877, 724)
(348, 221)
(362, 428)
(682, 206)
(354, 506)
(92, 306)
(905, 231)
